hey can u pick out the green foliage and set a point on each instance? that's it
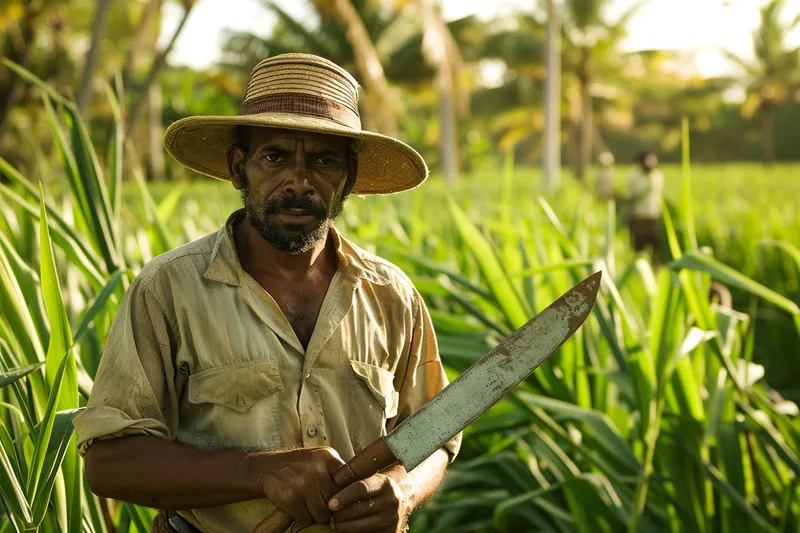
(656, 416)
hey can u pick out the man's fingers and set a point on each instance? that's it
(360, 490)
(328, 489)
(300, 513)
(318, 508)
(360, 509)
(335, 462)
(370, 524)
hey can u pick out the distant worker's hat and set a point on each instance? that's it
(299, 92)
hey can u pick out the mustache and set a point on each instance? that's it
(276, 205)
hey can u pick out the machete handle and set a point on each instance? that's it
(368, 462)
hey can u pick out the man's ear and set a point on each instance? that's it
(352, 172)
(237, 158)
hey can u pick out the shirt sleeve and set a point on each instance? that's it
(658, 182)
(634, 184)
(133, 391)
(424, 373)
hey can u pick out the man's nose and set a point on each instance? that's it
(297, 183)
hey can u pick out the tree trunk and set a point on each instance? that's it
(158, 64)
(767, 133)
(586, 129)
(552, 100)
(369, 65)
(98, 31)
(147, 24)
(448, 129)
(599, 144)
(155, 133)
(441, 53)
(15, 47)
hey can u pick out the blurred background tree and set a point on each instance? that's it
(774, 77)
(458, 90)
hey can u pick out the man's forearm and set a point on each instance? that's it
(166, 475)
(422, 482)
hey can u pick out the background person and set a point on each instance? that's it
(645, 186)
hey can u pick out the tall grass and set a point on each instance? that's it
(655, 416)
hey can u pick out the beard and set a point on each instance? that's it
(289, 238)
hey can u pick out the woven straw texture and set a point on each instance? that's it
(306, 93)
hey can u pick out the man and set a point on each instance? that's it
(645, 186)
(245, 368)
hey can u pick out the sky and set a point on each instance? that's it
(699, 27)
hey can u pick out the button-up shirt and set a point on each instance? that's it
(646, 189)
(201, 354)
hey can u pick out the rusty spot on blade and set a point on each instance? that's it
(588, 288)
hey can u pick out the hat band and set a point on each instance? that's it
(302, 104)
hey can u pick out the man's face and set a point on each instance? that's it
(293, 185)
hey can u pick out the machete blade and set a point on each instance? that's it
(485, 382)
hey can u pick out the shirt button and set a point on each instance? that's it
(312, 431)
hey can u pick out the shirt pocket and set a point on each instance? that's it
(236, 406)
(373, 401)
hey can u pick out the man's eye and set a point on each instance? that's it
(325, 160)
(272, 158)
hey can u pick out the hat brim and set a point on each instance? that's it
(385, 165)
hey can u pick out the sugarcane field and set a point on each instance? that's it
(391, 266)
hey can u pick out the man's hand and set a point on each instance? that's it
(380, 503)
(301, 482)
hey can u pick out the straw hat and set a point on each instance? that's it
(299, 92)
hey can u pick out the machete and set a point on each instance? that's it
(477, 389)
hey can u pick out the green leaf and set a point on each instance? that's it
(98, 304)
(602, 429)
(64, 236)
(729, 491)
(115, 156)
(687, 209)
(45, 431)
(60, 334)
(11, 376)
(94, 184)
(167, 207)
(17, 311)
(700, 262)
(10, 487)
(58, 446)
(164, 240)
(141, 517)
(790, 249)
(484, 255)
(31, 78)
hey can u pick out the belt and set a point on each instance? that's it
(179, 525)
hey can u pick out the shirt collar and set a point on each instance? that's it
(225, 266)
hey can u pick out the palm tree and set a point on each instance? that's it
(773, 75)
(98, 33)
(664, 97)
(591, 45)
(331, 39)
(441, 52)
(367, 61)
(399, 39)
(511, 110)
(158, 65)
(16, 45)
(552, 99)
